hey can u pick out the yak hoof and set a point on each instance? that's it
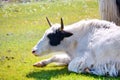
(39, 64)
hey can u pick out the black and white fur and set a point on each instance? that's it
(91, 46)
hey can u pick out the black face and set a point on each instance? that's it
(57, 37)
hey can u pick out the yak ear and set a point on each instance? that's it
(62, 24)
(67, 34)
(48, 22)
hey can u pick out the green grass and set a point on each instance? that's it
(22, 25)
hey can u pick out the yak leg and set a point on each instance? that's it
(79, 65)
(64, 59)
(76, 64)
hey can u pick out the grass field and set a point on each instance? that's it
(22, 25)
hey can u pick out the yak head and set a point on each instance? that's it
(54, 39)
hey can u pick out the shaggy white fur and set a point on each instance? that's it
(94, 47)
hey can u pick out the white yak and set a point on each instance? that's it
(92, 46)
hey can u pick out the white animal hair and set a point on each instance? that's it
(95, 45)
(109, 11)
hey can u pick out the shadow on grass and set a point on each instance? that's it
(48, 74)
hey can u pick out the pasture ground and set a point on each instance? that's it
(23, 24)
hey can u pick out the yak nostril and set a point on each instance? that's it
(33, 51)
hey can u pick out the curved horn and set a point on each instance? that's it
(62, 24)
(48, 22)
